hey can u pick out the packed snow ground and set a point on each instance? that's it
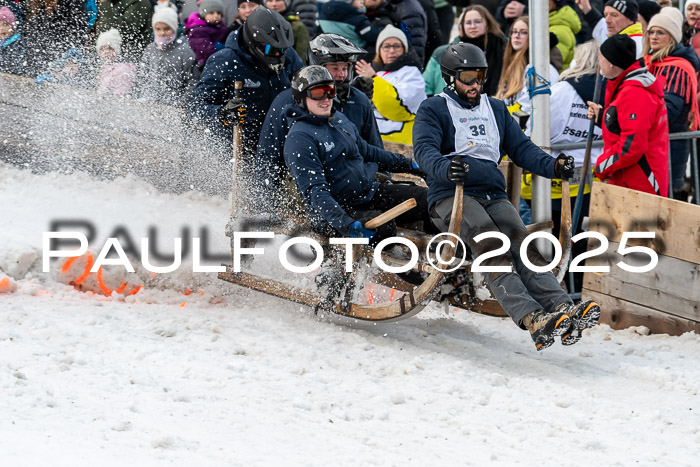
(227, 376)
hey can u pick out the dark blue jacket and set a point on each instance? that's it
(333, 168)
(434, 138)
(260, 86)
(270, 158)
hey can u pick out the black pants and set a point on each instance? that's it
(389, 195)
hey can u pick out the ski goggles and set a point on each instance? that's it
(471, 76)
(321, 92)
(273, 51)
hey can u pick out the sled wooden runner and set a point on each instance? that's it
(412, 302)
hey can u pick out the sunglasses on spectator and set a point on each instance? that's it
(522, 33)
(326, 91)
(476, 22)
(392, 46)
(273, 51)
(469, 77)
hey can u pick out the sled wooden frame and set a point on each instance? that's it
(409, 304)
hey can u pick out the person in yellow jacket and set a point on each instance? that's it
(564, 23)
(399, 87)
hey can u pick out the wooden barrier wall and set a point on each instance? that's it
(666, 299)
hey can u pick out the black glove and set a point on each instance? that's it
(417, 171)
(234, 112)
(458, 170)
(365, 85)
(564, 166)
(553, 40)
(380, 233)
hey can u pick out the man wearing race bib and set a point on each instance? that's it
(460, 136)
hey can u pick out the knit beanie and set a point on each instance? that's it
(670, 19)
(648, 8)
(167, 16)
(629, 8)
(620, 50)
(6, 16)
(259, 2)
(111, 39)
(691, 2)
(210, 6)
(392, 31)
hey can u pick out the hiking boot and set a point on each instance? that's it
(584, 315)
(544, 327)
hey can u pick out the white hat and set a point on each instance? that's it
(691, 2)
(165, 15)
(670, 19)
(392, 31)
(111, 39)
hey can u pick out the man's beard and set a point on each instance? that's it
(462, 94)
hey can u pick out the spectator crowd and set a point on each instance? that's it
(157, 51)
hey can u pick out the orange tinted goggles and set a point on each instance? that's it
(321, 92)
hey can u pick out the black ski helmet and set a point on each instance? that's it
(268, 36)
(307, 78)
(462, 56)
(329, 48)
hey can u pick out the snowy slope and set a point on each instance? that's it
(225, 376)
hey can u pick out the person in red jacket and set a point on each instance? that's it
(635, 123)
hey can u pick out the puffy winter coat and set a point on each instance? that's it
(260, 86)
(167, 76)
(569, 123)
(565, 23)
(132, 18)
(205, 38)
(436, 139)
(398, 91)
(307, 10)
(635, 133)
(333, 167)
(338, 17)
(12, 55)
(495, 46)
(116, 78)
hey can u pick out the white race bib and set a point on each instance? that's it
(476, 132)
